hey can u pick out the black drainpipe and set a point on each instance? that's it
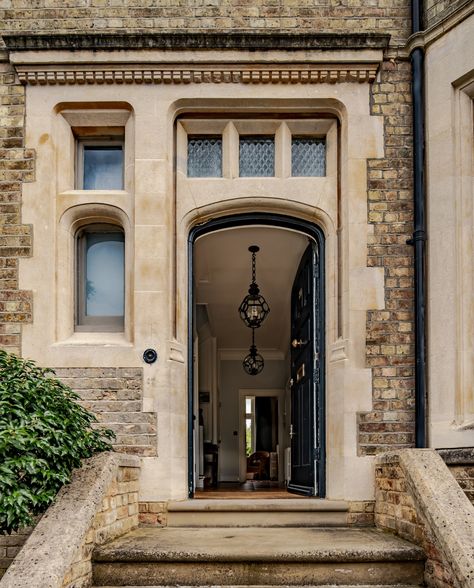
(419, 235)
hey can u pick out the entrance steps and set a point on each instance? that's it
(283, 512)
(258, 556)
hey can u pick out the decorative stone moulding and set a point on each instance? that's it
(192, 40)
(316, 74)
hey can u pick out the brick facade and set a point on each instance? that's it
(464, 475)
(10, 546)
(16, 166)
(461, 464)
(21, 16)
(390, 337)
(390, 331)
(114, 395)
(437, 10)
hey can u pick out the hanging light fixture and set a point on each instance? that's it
(253, 362)
(254, 307)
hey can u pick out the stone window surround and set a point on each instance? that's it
(75, 219)
(153, 114)
(80, 208)
(282, 130)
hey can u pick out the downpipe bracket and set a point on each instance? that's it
(419, 235)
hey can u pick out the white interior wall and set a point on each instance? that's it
(232, 379)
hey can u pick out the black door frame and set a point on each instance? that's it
(284, 222)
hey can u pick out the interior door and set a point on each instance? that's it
(305, 376)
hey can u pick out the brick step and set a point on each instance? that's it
(254, 556)
(287, 512)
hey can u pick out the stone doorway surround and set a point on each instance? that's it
(80, 82)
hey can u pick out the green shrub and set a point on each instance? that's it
(44, 434)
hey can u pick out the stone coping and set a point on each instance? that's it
(258, 505)
(443, 505)
(193, 40)
(458, 456)
(50, 550)
(252, 544)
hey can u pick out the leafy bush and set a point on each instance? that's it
(44, 434)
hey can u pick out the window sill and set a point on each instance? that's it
(70, 193)
(95, 339)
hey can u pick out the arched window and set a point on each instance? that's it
(100, 278)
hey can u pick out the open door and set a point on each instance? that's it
(306, 398)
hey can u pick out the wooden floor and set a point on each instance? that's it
(250, 490)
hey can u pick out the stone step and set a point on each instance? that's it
(258, 556)
(279, 512)
(274, 586)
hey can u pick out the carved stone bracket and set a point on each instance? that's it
(310, 74)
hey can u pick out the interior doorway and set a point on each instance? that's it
(257, 431)
(262, 438)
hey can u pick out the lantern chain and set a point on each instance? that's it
(254, 266)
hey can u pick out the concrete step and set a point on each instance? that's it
(282, 512)
(274, 586)
(258, 556)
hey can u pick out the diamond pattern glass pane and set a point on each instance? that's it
(204, 157)
(257, 156)
(308, 156)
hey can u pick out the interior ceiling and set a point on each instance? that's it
(222, 274)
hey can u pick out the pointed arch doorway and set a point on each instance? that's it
(294, 262)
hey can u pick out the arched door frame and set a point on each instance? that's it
(273, 220)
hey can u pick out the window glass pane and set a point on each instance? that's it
(256, 156)
(308, 156)
(248, 437)
(204, 157)
(105, 254)
(103, 167)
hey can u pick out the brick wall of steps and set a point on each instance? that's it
(257, 543)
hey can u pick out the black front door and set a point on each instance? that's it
(306, 356)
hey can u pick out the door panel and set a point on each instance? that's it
(305, 346)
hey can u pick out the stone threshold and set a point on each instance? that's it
(258, 505)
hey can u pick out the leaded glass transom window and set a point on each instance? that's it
(204, 156)
(256, 156)
(308, 156)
